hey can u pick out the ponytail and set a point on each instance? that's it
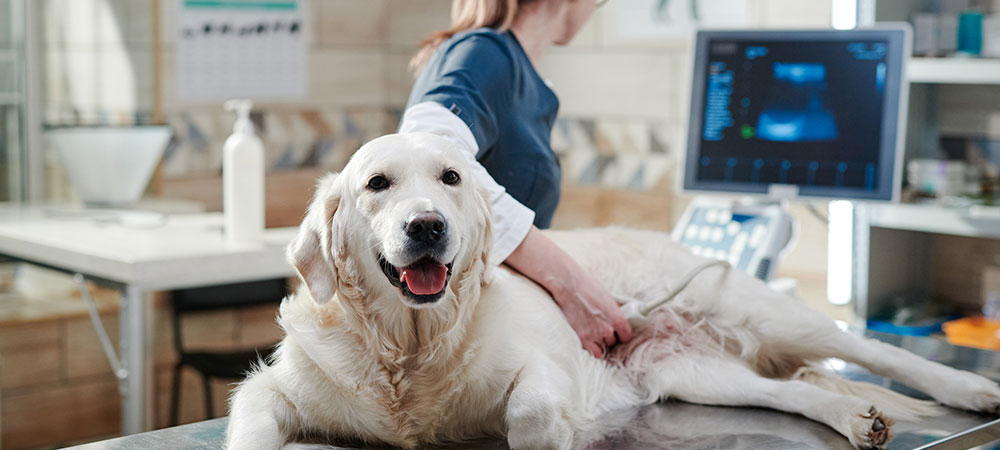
(468, 15)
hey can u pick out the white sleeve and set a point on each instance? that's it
(511, 219)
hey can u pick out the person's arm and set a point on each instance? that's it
(590, 309)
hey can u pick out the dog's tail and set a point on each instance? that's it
(893, 404)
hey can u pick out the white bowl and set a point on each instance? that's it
(109, 166)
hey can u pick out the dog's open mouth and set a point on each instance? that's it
(423, 281)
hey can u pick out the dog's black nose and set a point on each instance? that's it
(426, 227)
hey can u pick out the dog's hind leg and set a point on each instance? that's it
(783, 336)
(257, 407)
(949, 386)
(716, 381)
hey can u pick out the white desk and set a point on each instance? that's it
(188, 251)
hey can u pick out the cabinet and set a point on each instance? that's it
(928, 250)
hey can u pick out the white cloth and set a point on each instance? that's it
(511, 219)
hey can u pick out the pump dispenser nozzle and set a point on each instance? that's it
(242, 108)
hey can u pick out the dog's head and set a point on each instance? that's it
(403, 216)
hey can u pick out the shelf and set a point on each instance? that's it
(954, 70)
(978, 221)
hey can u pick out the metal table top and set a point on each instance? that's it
(683, 425)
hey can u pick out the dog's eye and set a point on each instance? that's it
(378, 183)
(450, 178)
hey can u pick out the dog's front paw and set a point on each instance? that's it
(970, 391)
(538, 426)
(870, 430)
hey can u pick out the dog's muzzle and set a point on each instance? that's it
(424, 281)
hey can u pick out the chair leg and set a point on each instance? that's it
(175, 395)
(209, 411)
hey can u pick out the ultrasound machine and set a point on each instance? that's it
(779, 116)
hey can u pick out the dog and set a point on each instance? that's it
(402, 333)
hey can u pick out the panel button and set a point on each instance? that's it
(691, 231)
(711, 215)
(732, 228)
(758, 235)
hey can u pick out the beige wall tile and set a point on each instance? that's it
(70, 23)
(590, 35)
(29, 366)
(583, 207)
(258, 327)
(213, 330)
(82, 79)
(638, 84)
(192, 397)
(793, 13)
(612, 32)
(139, 24)
(125, 81)
(163, 335)
(350, 22)
(806, 255)
(30, 335)
(411, 21)
(84, 354)
(72, 79)
(168, 21)
(112, 22)
(400, 80)
(346, 77)
(59, 415)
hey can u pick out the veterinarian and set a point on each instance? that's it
(477, 85)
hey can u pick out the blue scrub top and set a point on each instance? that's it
(485, 77)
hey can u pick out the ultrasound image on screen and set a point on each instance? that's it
(803, 113)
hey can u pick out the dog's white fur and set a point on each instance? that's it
(495, 356)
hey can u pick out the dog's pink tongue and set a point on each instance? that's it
(424, 278)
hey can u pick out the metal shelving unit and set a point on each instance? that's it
(954, 71)
(892, 244)
(977, 221)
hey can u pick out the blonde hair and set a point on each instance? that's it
(468, 15)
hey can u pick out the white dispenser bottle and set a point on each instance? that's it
(243, 177)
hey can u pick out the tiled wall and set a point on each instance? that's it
(56, 386)
(623, 101)
(98, 60)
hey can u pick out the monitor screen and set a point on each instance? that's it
(813, 113)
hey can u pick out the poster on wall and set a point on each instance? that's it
(675, 19)
(241, 49)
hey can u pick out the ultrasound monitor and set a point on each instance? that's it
(798, 113)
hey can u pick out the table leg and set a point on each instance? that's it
(135, 350)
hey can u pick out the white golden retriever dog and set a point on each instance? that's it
(404, 335)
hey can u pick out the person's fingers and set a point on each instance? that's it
(610, 340)
(623, 329)
(593, 348)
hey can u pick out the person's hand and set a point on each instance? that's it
(593, 313)
(589, 307)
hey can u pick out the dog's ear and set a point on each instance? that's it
(484, 221)
(311, 250)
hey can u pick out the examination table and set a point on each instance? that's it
(678, 425)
